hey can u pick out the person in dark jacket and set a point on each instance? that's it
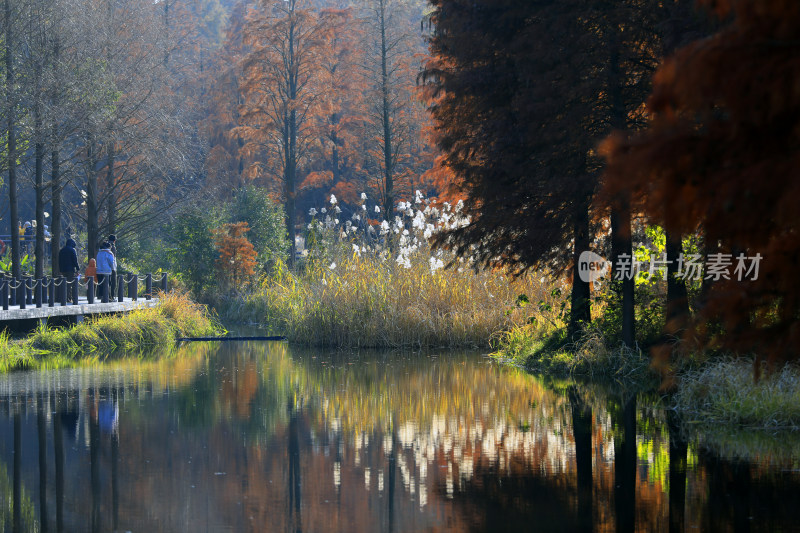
(68, 263)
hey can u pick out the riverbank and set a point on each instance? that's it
(707, 391)
(174, 317)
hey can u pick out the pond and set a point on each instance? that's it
(264, 437)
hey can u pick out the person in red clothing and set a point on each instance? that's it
(91, 269)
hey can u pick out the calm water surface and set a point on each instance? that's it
(261, 437)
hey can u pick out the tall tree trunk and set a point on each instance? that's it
(111, 199)
(580, 311)
(621, 240)
(291, 186)
(92, 211)
(290, 172)
(11, 138)
(337, 171)
(38, 135)
(55, 191)
(677, 298)
(55, 171)
(622, 243)
(388, 158)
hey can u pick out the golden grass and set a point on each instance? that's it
(364, 301)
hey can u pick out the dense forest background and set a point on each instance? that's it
(125, 112)
(666, 128)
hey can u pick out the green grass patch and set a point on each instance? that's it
(589, 356)
(14, 355)
(724, 392)
(174, 317)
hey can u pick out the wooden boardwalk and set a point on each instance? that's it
(82, 308)
(48, 298)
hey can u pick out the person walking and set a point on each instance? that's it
(27, 237)
(91, 270)
(68, 264)
(106, 264)
(112, 240)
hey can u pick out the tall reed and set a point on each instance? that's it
(366, 302)
(370, 284)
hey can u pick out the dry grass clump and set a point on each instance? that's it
(175, 316)
(724, 392)
(366, 301)
(189, 318)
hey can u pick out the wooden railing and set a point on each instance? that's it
(49, 291)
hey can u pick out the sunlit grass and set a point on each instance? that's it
(364, 301)
(724, 392)
(14, 355)
(367, 283)
(590, 355)
(174, 317)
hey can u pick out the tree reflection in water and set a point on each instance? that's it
(253, 437)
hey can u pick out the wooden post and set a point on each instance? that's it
(4, 293)
(120, 288)
(148, 287)
(51, 292)
(105, 289)
(133, 287)
(62, 290)
(164, 282)
(21, 290)
(37, 292)
(90, 290)
(28, 289)
(75, 291)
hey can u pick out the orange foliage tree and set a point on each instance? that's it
(721, 155)
(281, 90)
(237, 256)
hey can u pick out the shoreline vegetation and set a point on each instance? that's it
(365, 285)
(141, 331)
(709, 392)
(362, 286)
(370, 302)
